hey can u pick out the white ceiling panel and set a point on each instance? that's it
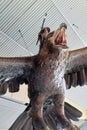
(27, 16)
(9, 111)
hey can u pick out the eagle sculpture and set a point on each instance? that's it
(48, 74)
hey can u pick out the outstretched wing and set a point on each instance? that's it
(76, 69)
(14, 71)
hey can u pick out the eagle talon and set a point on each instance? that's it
(47, 128)
(64, 121)
(40, 124)
(72, 127)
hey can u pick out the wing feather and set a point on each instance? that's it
(76, 69)
(14, 71)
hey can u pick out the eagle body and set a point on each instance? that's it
(47, 77)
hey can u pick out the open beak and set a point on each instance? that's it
(60, 40)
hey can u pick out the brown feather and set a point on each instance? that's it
(78, 51)
(76, 67)
(74, 83)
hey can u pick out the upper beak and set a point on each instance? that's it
(61, 38)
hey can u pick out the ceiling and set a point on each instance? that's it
(10, 110)
(27, 16)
